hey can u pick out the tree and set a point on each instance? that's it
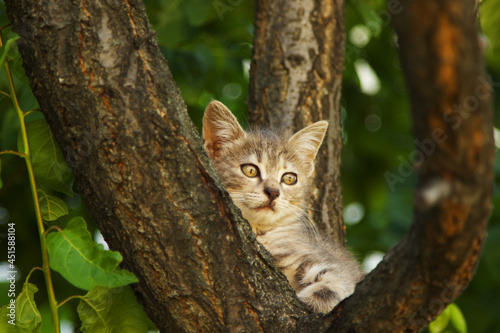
(297, 69)
(107, 93)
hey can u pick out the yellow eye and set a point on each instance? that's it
(289, 178)
(250, 170)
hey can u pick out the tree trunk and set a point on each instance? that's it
(295, 80)
(106, 91)
(453, 126)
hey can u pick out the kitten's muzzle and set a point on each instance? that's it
(272, 193)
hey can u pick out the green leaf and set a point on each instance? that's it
(6, 48)
(370, 17)
(9, 52)
(440, 323)
(457, 318)
(112, 310)
(82, 262)
(1, 183)
(9, 129)
(4, 20)
(27, 316)
(52, 207)
(50, 168)
(489, 17)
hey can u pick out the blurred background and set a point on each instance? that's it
(209, 55)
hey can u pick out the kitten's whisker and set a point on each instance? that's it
(308, 225)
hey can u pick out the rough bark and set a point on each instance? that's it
(454, 153)
(295, 80)
(106, 91)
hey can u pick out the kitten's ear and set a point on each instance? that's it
(220, 128)
(306, 142)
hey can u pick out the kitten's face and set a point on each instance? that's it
(265, 179)
(267, 176)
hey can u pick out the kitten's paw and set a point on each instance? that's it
(319, 297)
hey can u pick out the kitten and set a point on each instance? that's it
(267, 177)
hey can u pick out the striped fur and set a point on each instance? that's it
(322, 273)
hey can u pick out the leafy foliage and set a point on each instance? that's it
(450, 320)
(73, 253)
(490, 20)
(51, 206)
(27, 316)
(50, 167)
(112, 311)
(208, 51)
(7, 49)
(82, 262)
(9, 52)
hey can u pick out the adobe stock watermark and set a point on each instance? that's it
(223, 6)
(427, 147)
(11, 273)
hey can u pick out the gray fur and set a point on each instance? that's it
(322, 273)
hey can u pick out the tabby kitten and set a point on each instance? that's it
(267, 177)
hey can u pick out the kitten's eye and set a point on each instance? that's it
(289, 178)
(250, 170)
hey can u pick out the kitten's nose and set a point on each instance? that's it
(272, 193)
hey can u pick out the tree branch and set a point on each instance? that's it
(105, 89)
(295, 80)
(451, 108)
